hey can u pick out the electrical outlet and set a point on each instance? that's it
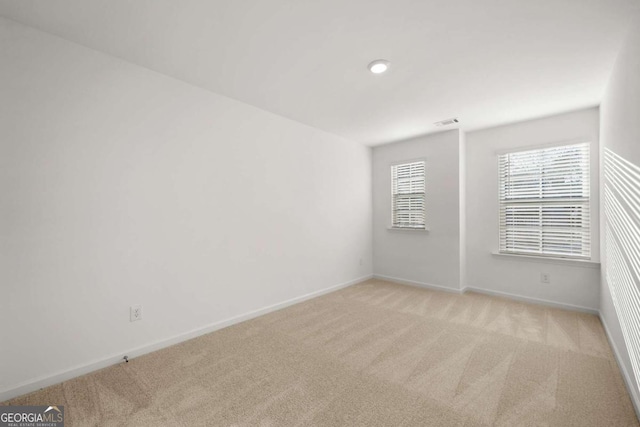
(360, 261)
(135, 313)
(545, 278)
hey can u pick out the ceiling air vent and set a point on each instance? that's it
(447, 122)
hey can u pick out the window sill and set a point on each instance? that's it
(419, 230)
(548, 260)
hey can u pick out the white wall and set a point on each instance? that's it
(121, 186)
(433, 257)
(620, 134)
(570, 285)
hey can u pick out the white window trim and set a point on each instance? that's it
(419, 230)
(543, 146)
(591, 261)
(578, 262)
(426, 228)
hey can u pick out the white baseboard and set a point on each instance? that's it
(58, 377)
(418, 284)
(625, 374)
(532, 300)
(487, 292)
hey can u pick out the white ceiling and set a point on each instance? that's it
(487, 62)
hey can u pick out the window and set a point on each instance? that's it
(407, 194)
(544, 202)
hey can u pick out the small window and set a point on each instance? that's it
(544, 202)
(407, 194)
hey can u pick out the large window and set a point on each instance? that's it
(407, 194)
(544, 202)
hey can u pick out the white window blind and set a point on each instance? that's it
(407, 193)
(544, 202)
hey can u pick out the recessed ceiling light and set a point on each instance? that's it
(379, 66)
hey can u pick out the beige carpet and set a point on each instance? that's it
(374, 354)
